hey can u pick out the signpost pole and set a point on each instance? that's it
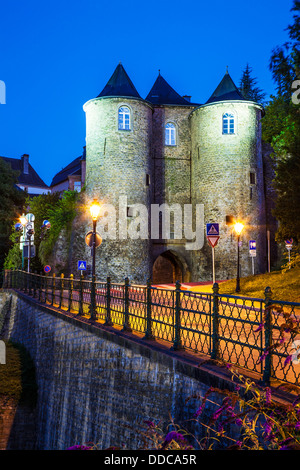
(212, 234)
(213, 264)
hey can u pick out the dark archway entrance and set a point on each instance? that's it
(169, 267)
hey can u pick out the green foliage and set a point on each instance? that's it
(61, 215)
(13, 258)
(281, 128)
(17, 376)
(12, 201)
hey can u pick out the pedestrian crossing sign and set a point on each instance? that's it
(212, 229)
(82, 265)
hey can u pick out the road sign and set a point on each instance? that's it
(82, 265)
(212, 229)
(89, 239)
(289, 244)
(252, 245)
(26, 250)
(47, 268)
(252, 248)
(213, 240)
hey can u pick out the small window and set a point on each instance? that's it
(228, 123)
(252, 177)
(77, 186)
(170, 136)
(229, 220)
(147, 180)
(124, 118)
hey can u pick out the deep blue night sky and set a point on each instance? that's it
(57, 55)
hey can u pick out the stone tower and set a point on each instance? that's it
(167, 149)
(227, 177)
(118, 143)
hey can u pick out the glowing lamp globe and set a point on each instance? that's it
(238, 227)
(95, 210)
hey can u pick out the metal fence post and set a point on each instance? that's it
(61, 290)
(148, 333)
(126, 325)
(80, 311)
(215, 322)
(53, 288)
(93, 298)
(268, 338)
(177, 339)
(70, 292)
(108, 321)
(34, 284)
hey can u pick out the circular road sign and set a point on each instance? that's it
(89, 239)
(47, 268)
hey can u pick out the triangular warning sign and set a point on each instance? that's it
(82, 266)
(213, 231)
(213, 240)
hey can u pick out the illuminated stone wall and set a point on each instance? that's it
(117, 165)
(205, 167)
(221, 166)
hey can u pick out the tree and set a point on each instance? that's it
(281, 128)
(12, 200)
(248, 87)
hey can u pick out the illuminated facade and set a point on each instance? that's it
(167, 149)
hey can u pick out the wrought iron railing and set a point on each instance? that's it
(238, 330)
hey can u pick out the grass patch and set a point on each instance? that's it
(284, 286)
(17, 376)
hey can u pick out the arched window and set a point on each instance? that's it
(228, 123)
(124, 118)
(170, 134)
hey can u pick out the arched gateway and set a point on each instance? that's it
(170, 267)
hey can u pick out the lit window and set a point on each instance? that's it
(228, 124)
(170, 137)
(124, 118)
(77, 186)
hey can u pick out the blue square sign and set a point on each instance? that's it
(212, 229)
(252, 245)
(82, 265)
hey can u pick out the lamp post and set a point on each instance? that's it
(95, 211)
(23, 221)
(238, 227)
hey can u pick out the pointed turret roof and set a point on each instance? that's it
(162, 93)
(119, 84)
(226, 91)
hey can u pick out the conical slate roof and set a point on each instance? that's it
(119, 84)
(162, 93)
(226, 91)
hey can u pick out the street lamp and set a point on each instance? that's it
(238, 227)
(95, 211)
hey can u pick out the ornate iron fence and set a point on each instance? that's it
(238, 330)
